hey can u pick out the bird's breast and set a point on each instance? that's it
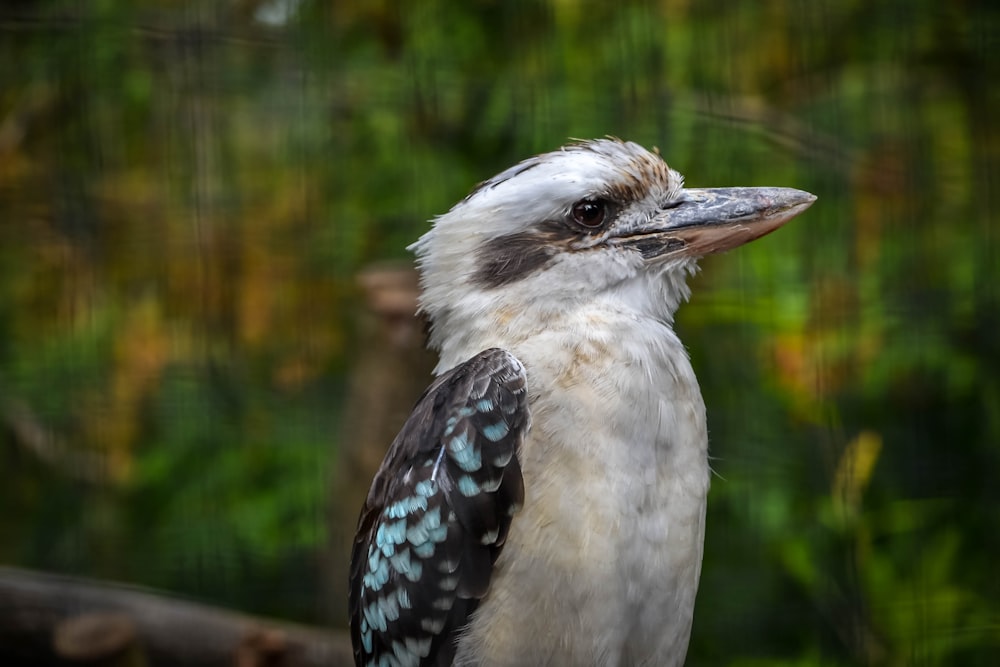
(616, 474)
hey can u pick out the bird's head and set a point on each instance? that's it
(595, 220)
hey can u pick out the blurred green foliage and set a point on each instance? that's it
(187, 190)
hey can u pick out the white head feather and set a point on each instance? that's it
(525, 210)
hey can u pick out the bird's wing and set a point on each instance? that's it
(438, 513)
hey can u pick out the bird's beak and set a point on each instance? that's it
(707, 221)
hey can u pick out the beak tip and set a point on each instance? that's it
(806, 199)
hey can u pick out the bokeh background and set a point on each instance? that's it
(206, 331)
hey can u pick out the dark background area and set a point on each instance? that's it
(195, 383)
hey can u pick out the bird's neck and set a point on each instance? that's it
(634, 319)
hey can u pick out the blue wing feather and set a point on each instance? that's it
(438, 513)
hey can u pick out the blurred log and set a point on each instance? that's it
(99, 639)
(37, 608)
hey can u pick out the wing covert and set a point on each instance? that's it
(438, 513)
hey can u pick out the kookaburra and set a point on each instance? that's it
(545, 502)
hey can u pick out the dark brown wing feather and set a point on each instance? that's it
(438, 513)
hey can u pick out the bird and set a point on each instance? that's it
(544, 503)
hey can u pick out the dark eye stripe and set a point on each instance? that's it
(506, 259)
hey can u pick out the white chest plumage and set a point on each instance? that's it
(602, 563)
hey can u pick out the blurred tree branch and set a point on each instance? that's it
(171, 631)
(46, 445)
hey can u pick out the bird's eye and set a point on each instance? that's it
(590, 213)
